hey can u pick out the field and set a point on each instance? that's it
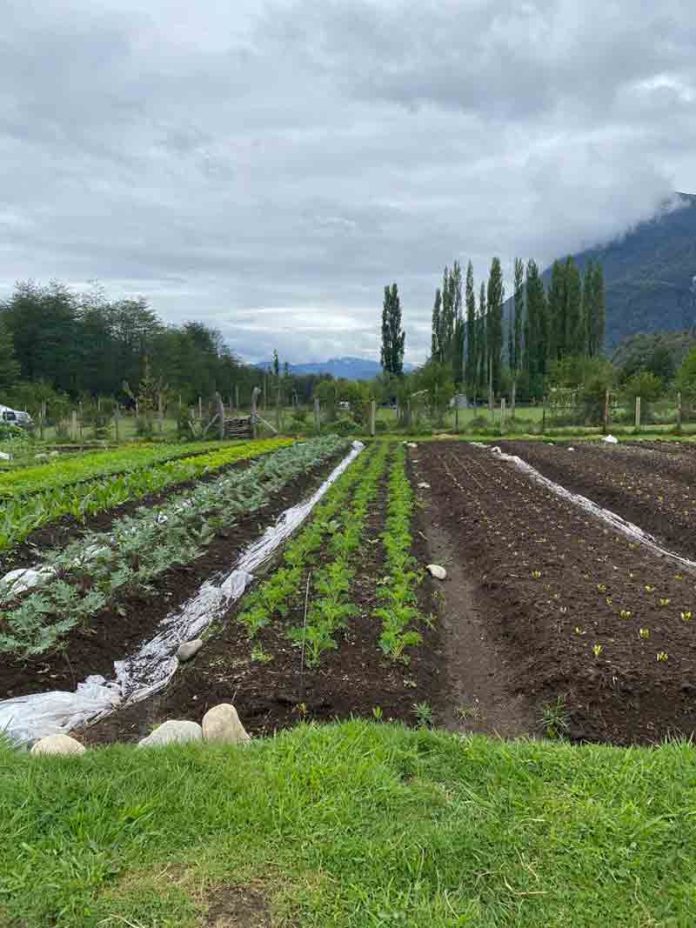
(557, 621)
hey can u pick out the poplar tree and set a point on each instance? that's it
(435, 346)
(516, 326)
(482, 340)
(556, 311)
(595, 322)
(495, 297)
(393, 336)
(457, 344)
(536, 335)
(574, 342)
(472, 348)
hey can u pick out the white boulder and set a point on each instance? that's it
(174, 731)
(58, 744)
(221, 724)
(423, 485)
(189, 649)
(436, 571)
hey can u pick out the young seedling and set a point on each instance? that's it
(662, 656)
(644, 633)
(597, 649)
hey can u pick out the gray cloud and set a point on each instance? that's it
(268, 166)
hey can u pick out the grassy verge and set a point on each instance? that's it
(355, 825)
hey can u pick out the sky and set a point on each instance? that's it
(267, 166)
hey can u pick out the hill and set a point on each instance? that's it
(650, 274)
(350, 368)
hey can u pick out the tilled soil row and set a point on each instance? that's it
(579, 611)
(115, 633)
(354, 680)
(653, 488)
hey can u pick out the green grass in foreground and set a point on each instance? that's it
(354, 825)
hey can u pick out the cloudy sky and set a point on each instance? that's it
(268, 165)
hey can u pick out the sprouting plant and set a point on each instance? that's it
(649, 588)
(468, 712)
(686, 616)
(665, 601)
(662, 656)
(625, 614)
(644, 632)
(424, 714)
(579, 631)
(602, 587)
(597, 649)
(260, 656)
(536, 575)
(554, 718)
(377, 713)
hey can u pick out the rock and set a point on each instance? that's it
(58, 744)
(221, 723)
(436, 571)
(571, 449)
(189, 649)
(611, 439)
(423, 485)
(411, 444)
(173, 731)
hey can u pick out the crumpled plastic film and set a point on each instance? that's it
(25, 719)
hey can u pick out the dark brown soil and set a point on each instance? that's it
(654, 487)
(356, 679)
(552, 583)
(112, 635)
(237, 907)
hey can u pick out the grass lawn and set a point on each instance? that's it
(355, 824)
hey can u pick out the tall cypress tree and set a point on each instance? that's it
(471, 333)
(495, 298)
(516, 326)
(393, 336)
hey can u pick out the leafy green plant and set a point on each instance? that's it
(554, 719)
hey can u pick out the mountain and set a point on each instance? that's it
(650, 274)
(349, 368)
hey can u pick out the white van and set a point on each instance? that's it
(16, 417)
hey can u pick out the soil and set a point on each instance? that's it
(112, 635)
(551, 583)
(654, 486)
(237, 907)
(354, 680)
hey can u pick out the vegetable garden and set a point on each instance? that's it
(551, 620)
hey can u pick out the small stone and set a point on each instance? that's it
(411, 444)
(174, 731)
(423, 485)
(58, 744)
(221, 723)
(436, 571)
(189, 649)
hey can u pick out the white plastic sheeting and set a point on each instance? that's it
(619, 524)
(27, 718)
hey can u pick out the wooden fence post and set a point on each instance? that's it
(221, 415)
(277, 410)
(116, 431)
(373, 416)
(254, 397)
(605, 418)
(679, 411)
(502, 413)
(637, 413)
(200, 408)
(160, 412)
(543, 416)
(317, 415)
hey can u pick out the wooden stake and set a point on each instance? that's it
(637, 413)
(373, 416)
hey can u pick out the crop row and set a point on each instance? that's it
(100, 569)
(76, 468)
(20, 517)
(275, 595)
(331, 606)
(398, 592)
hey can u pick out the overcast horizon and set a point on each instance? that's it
(268, 168)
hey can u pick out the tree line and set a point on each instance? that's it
(57, 343)
(492, 348)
